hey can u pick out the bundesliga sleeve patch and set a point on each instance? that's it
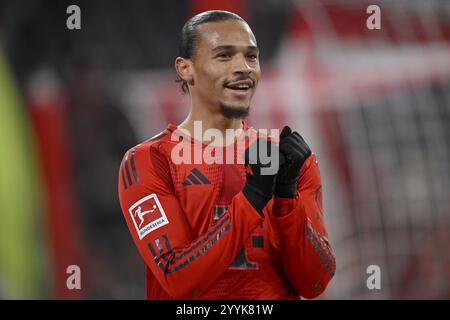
(147, 215)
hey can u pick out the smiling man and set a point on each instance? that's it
(229, 229)
(219, 66)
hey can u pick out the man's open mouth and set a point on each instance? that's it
(242, 85)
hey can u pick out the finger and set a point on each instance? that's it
(298, 137)
(294, 147)
(285, 132)
(300, 140)
(293, 141)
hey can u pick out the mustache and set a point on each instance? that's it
(240, 78)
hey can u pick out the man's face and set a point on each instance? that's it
(226, 65)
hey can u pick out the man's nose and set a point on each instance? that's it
(241, 65)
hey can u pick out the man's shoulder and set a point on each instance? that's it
(149, 157)
(155, 144)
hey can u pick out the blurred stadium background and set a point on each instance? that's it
(373, 104)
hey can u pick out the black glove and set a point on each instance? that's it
(261, 171)
(295, 151)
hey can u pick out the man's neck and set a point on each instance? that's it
(211, 121)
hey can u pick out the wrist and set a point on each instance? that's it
(256, 198)
(284, 206)
(286, 189)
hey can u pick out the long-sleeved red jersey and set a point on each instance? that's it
(201, 238)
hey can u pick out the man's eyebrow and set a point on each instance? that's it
(230, 47)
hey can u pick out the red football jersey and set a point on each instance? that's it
(199, 236)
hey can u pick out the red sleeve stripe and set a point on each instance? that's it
(128, 162)
(181, 253)
(168, 266)
(133, 166)
(184, 252)
(130, 182)
(320, 254)
(325, 248)
(123, 176)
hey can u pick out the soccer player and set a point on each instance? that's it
(225, 230)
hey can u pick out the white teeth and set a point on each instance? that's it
(242, 86)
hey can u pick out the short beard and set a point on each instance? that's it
(231, 112)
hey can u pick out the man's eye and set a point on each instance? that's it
(224, 55)
(252, 56)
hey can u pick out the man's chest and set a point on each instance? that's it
(205, 191)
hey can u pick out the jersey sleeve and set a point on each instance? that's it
(308, 259)
(185, 265)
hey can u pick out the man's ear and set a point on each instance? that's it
(184, 69)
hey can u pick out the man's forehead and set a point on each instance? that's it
(229, 32)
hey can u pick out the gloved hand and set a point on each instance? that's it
(294, 152)
(261, 161)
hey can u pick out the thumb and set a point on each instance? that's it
(285, 132)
